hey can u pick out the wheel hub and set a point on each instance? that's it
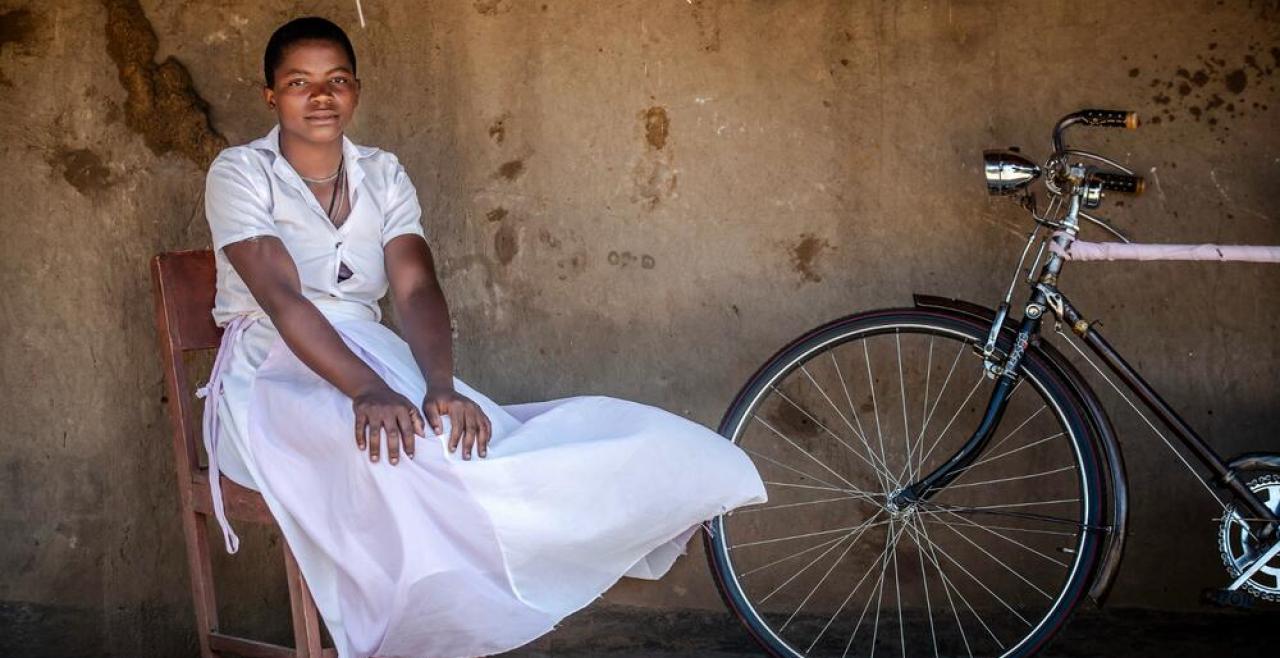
(898, 505)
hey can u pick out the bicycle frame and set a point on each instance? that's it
(1046, 297)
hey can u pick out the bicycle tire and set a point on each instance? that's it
(1036, 368)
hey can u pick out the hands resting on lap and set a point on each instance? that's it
(383, 411)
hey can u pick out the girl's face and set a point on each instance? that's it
(315, 93)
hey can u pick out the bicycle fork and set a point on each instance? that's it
(1006, 375)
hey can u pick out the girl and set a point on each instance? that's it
(361, 442)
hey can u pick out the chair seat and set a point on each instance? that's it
(254, 649)
(241, 503)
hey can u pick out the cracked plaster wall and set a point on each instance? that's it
(638, 199)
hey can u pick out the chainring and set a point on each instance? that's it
(1237, 547)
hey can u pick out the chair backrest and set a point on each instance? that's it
(183, 285)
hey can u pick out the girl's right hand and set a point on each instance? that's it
(382, 409)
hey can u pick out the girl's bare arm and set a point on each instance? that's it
(424, 320)
(272, 278)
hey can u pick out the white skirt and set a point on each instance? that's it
(449, 558)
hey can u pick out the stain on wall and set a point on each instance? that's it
(1213, 89)
(511, 169)
(83, 169)
(653, 174)
(804, 254)
(656, 127)
(16, 27)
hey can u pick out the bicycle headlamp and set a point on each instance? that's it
(1007, 172)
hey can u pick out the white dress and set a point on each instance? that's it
(436, 556)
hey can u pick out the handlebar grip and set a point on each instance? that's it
(1110, 118)
(1120, 182)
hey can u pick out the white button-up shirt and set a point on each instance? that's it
(251, 190)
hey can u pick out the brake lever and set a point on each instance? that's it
(1106, 226)
(1100, 158)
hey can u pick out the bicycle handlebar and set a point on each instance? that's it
(1096, 118)
(1109, 118)
(1114, 182)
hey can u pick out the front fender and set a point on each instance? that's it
(1102, 436)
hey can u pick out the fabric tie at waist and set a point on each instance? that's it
(212, 394)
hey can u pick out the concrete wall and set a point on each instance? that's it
(640, 199)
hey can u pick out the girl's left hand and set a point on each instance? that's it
(468, 423)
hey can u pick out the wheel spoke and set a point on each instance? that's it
(857, 492)
(818, 533)
(823, 392)
(792, 556)
(987, 460)
(770, 508)
(924, 403)
(992, 448)
(1017, 515)
(902, 390)
(1011, 478)
(960, 408)
(853, 591)
(919, 447)
(926, 546)
(825, 576)
(999, 562)
(817, 461)
(825, 429)
(928, 604)
(971, 523)
(897, 591)
(871, 524)
(981, 584)
(875, 411)
(805, 486)
(935, 519)
(889, 544)
(853, 410)
(814, 561)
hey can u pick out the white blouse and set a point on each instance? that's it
(252, 190)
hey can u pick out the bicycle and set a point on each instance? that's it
(935, 524)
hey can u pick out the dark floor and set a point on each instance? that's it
(613, 631)
(610, 631)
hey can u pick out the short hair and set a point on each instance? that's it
(302, 29)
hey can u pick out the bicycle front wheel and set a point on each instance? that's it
(991, 565)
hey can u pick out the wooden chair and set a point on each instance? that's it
(183, 286)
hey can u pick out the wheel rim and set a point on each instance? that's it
(827, 567)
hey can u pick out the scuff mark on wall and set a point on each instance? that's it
(492, 7)
(82, 168)
(706, 14)
(506, 244)
(162, 105)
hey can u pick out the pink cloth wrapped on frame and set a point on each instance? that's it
(1081, 250)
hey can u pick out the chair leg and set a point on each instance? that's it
(306, 619)
(196, 533)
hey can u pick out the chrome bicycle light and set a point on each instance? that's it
(1007, 172)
